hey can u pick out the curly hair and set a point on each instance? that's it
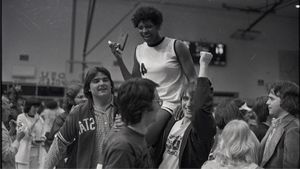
(135, 97)
(288, 92)
(147, 13)
(71, 93)
(237, 144)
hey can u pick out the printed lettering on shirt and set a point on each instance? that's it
(143, 69)
(82, 128)
(173, 145)
(92, 124)
(86, 124)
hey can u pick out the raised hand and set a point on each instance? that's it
(115, 49)
(205, 58)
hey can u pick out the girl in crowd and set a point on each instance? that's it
(31, 151)
(49, 114)
(237, 148)
(74, 96)
(226, 111)
(261, 110)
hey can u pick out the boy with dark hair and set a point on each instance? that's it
(88, 124)
(138, 103)
(280, 146)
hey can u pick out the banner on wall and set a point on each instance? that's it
(51, 78)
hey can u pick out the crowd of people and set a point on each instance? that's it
(162, 116)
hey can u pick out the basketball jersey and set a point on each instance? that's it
(160, 64)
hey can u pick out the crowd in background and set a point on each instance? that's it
(242, 130)
(29, 126)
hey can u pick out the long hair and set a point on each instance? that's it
(92, 72)
(289, 94)
(188, 89)
(237, 144)
(71, 93)
(261, 109)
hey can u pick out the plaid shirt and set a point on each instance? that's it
(89, 127)
(104, 121)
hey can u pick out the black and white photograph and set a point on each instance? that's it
(167, 84)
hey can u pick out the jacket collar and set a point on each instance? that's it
(275, 138)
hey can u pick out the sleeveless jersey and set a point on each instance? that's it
(160, 64)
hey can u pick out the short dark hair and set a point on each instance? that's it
(147, 13)
(288, 92)
(238, 102)
(261, 109)
(92, 72)
(226, 111)
(31, 102)
(135, 96)
(52, 104)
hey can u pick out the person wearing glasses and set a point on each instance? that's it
(138, 103)
(186, 143)
(164, 60)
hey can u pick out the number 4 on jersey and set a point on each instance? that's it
(143, 69)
